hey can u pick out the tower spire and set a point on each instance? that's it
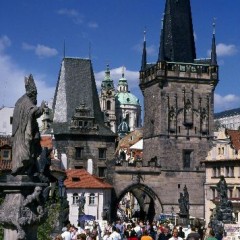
(161, 48)
(64, 48)
(144, 53)
(178, 41)
(213, 51)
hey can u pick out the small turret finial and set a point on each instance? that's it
(123, 71)
(64, 48)
(144, 34)
(214, 25)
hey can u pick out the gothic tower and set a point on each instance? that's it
(178, 105)
(107, 100)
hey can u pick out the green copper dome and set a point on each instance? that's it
(126, 98)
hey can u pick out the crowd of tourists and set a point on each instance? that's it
(137, 231)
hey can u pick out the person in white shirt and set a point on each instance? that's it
(66, 235)
(175, 235)
(115, 235)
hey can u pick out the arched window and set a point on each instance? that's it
(75, 198)
(127, 119)
(108, 105)
(91, 199)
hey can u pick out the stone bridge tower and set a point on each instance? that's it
(178, 95)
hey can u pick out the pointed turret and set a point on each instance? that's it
(161, 48)
(107, 82)
(144, 53)
(122, 83)
(178, 43)
(213, 51)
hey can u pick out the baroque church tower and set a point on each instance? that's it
(107, 100)
(178, 95)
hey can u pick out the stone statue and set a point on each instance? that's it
(186, 198)
(184, 202)
(25, 131)
(222, 189)
(181, 204)
(81, 201)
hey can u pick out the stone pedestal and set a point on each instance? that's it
(23, 207)
(183, 219)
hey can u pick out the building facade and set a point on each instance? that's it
(96, 192)
(229, 119)
(223, 160)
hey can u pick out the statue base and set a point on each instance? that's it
(183, 219)
(23, 207)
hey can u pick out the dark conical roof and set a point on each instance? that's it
(76, 87)
(178, 39)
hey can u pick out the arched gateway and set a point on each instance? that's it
(142, 183)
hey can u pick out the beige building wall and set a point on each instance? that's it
(223, 159)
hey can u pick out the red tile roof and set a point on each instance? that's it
(80, 178)
(234, 138)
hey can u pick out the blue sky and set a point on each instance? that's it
(32, 35)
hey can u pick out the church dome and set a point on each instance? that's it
(126, 98)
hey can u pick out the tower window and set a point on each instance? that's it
(102, 153)
(102, 171)
(187, 158)
(79, 153)
(108, 105)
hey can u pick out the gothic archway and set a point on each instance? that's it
(148, 205)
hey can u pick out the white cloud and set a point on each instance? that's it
(44, 51)
(116, 73)
(225, 50)
(226, 102)
(76, 17)
(4, 43)
(12, 81)
(93, 25)
(40, 50)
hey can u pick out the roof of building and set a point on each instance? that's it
(234, 136)
(126, 98)
(178, 40)
(130, 139)
(227, 113)
(80, 178)
(76, 87)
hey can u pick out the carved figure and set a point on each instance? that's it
(81, 201)
(222, 189)
(184, 202)
(25, 131)
(186, 198)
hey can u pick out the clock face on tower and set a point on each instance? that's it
(109, 92)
